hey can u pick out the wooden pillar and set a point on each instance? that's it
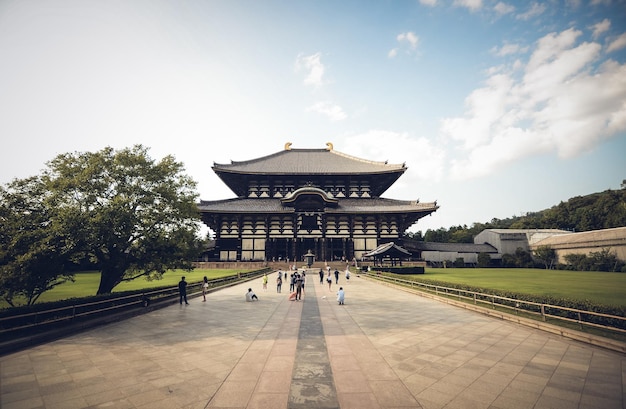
(239, 237)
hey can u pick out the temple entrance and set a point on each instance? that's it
(336, 250)
(293, 250)
(279, 250)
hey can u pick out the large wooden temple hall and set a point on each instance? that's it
(297, 201)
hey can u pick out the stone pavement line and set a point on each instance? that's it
(363, 378)
(312, 384)
(262, 376)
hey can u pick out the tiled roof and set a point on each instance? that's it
(271, 205)
(527, 231)
(615, 235)
(309, 162)
(453, 247)
(391, 249)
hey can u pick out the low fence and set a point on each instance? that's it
(544, 312)
(21, 330)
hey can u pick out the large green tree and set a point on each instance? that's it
(130, 215)
(34, 253)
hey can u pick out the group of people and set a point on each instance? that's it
(329, 278)
(182, 290)
(296, 286)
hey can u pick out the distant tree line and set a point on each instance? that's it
(596, 211)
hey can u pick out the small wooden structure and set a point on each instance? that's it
(388, 254)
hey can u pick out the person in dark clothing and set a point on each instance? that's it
(321, 273)
(336, 276)
(279, 284)
(182, 290)
(299, 284)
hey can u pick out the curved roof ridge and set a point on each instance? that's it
(309, 161)
(373, 162)
(248, 161)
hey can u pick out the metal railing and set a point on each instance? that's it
(532, 309)
(27, 327)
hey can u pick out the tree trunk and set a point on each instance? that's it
(109, 278)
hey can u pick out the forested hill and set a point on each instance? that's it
(581, 213)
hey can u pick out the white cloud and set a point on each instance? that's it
(617, 44)
(600, 27)
(424, 159)
(430, 3)
(565, 102)
(535, 10)
(333, 111)
(472, 5)
(508, 49)
(503, 8)
(409, 38)
(314, 67)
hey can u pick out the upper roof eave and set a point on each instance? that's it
(308, 162)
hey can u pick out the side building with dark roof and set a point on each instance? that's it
(297, 200)
(441, 254)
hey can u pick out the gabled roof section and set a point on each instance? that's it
(309, 162)
(390, 249)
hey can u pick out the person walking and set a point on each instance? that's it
(321, 273)
(279, 284)
(299, 288)
(205, 288)
(329, 280)
(265, 280)
(182, 291)
(336, 276)
(292, 282)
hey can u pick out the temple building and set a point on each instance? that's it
(300, 200)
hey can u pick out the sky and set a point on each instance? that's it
(498, 108)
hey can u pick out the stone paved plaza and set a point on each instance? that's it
(385, 348)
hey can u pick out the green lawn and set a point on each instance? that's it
(86, 283)
(597, 287)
